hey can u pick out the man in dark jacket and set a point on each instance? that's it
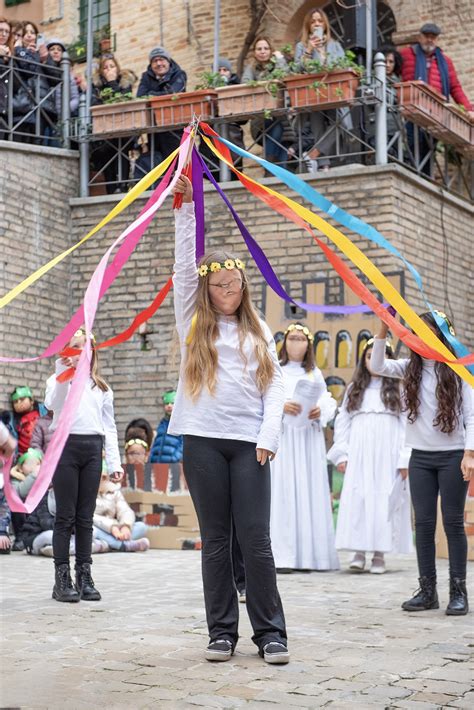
(163, 76)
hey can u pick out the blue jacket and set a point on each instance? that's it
(166, 448)
(171, 83)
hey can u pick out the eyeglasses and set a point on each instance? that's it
(234, 283)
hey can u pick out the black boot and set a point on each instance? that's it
(64, 590)
(458, 604)
(426, 597)
(85, 583)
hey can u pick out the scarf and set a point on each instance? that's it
(421, 72)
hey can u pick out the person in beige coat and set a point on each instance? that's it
(114, 520)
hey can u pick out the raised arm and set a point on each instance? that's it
(185, 278)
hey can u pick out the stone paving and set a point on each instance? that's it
(141, 647)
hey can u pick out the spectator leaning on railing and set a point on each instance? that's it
(56, 49)
(426, 61)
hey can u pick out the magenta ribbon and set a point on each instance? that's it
(91, 302)
(262, 261)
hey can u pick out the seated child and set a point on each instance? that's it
(24, 473)
(114, 520)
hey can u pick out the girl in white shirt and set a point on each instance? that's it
(229, 407)
(77, 476)
(440, 431)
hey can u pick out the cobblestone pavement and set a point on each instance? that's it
(141, 647)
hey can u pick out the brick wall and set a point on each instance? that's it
(35, 187)
(188, 29)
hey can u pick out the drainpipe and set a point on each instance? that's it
(380, 68)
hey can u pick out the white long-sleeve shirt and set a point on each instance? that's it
(95, 414)
(422, 434)
(237, 409)
(4, 434)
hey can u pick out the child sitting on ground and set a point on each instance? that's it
(114, 520)
(24, 473)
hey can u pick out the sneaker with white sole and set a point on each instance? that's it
(220, 650)
(275, 652)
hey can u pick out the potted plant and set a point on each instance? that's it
(328, 86)
(179, 109)
(120, 113)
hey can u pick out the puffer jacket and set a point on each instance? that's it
(173, 82)
(41, 519)
(434, 77)
(42, 434)
(111, 508)
(31, 73)
(166, 447)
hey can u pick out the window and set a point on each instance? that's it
(11, 3)
(100, 16)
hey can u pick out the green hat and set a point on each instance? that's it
(30, 454)
(21, 392)
(169, 397)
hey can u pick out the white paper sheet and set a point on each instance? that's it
(307, 394)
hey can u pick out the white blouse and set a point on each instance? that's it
(421, 434)
(237, 409)
(95, 414)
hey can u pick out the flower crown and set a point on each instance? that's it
(216, 266)
(303, 328)
(131, 442)
(82, 331)
(369, 343)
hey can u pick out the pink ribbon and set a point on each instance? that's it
(91, 302)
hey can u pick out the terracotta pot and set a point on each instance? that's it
(244, 98)
(105, 45)
(460, 126)
(423, 105)
(325, 89)
(121, 117)
(178, 109)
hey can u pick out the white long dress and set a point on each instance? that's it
(301, 523)
(372, 441)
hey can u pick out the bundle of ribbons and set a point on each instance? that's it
(186, 159)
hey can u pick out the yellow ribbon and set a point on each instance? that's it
(367, 267)
(130, 197)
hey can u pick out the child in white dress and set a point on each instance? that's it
(369, 447)
(301, 523)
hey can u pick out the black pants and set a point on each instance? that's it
(226, 482)
(76, 483)
(433, 472)
(238, 566)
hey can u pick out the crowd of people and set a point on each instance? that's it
(37, 73)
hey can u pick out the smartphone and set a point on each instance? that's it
(317, 33)
(40, 40)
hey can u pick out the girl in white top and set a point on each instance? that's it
(77, 476)
(301, 524)
(369, 448)
(228, 406)
(440, 430)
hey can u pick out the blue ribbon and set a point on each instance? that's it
(355, 225)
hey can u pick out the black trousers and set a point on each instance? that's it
(76, 483)
(432, 473)
(227, 483)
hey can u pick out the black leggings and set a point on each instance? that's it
(433, 472)
(76, 483)
(226, 482)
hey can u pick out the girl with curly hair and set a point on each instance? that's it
(440, 430)
(369, 447)
(228, 407)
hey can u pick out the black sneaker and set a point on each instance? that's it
(275, 652)
(220, 650)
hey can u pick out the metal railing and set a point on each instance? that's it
(30, 113)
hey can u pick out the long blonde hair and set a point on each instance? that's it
(98, 380)
(201, 361)
(306, 33)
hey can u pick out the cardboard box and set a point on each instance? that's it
(167, 538)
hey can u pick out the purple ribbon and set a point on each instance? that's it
(198, 196)
(264, 265)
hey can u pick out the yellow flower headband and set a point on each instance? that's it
(303, 328)
(82, 331)
(131, 442)
(370, 342)
(217, 266)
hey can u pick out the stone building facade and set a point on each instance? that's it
(186, 27)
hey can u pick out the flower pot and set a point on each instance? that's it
(460, 128)
(179, 109)
(242, 99)
(105, 45)
(121, 117)
(324, 89)
(423, 105)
